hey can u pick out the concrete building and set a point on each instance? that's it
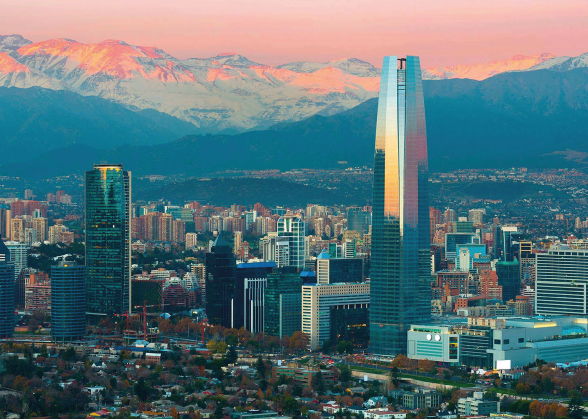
(191, 241)
(484, 341)
(319, 303)
(421, 399)
(301, 374)
(477, 406)
(562, 281)
(330, 271)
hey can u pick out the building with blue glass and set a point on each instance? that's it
(68, 302)
(400, 258)
(7, 290)
(108, 240)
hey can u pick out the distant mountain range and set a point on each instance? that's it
(227, 93)
(533, 118)
(34, 121)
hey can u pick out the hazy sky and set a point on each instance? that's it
(442, 32)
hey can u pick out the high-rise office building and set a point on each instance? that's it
(220, 283)
(68, 301)
(358, 220)
(108, 240)
(5, 221)
(331, 271)
(18, 256)
(508, 274)
(248, 302)
(322, 303)
(293, 228)
(400, 259)
(6, 292)
(191, 241)
(476, 216)
(562, 281)
(283, 303)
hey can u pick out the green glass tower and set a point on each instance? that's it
(108, 240)
(68, 298)
(283, 303)
(400, 261)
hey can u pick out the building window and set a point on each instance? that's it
(521, 340)
(506, 341)
(497, 341)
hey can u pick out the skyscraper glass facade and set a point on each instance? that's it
(221, 272)
(108, 240)
(6, 292)
(68, 302)
(283, 303)
(400, 270)
(294, 228)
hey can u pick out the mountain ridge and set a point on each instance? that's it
(224, 93)
(535, 119)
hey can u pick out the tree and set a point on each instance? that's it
(211, 346)
(575, 409)
(260, 367)
(142, 390)
(232, 355)
(221, 347)
(394, 376)
(290, 404)
(317, 383)
(345, 372)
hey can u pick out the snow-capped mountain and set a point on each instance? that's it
(223, 92)
(482, 71)
(563, 63)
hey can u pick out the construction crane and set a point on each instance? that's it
(144, 306)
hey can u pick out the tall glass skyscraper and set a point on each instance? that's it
(68, 301)
(400, 262)
(108, 240)
(7, 290)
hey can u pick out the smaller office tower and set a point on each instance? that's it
(68, 302)
(283, 303)
(509, 278)
(327, 308)
(6, 293)
(562, 282)
(18, 256)
(248, 303)
(220, 283)
(331, 271)
(293, 228)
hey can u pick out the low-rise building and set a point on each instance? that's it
(303, 375)
(477, 405)
(421, 399)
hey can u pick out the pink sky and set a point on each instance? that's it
(442, 32)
